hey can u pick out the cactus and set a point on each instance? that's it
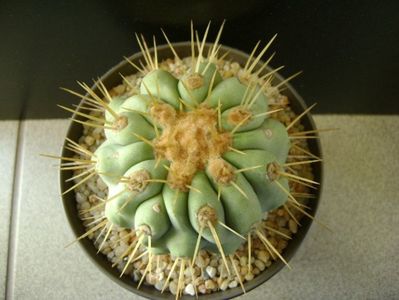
(191, 163)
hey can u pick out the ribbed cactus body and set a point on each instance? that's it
(191, 156)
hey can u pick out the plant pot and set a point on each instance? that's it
(111, 79)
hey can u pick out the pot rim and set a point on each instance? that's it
(101, 261)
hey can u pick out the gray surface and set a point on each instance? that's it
(360, 203)
(8, 146)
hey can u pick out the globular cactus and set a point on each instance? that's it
(194, 162)
(190, 155)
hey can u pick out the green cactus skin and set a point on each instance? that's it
(269, 194)
(271, 136)
(161, 84)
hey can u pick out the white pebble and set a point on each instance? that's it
(110, 255)
(187, 272)
(80, 198)
(136, 275)
(161, 276)
(159, 285)
(93, 187)
(211, 271)
(101, 185)
(173, 287)
(233, 284)
(89, 140)
(189, 289)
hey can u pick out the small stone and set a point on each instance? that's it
(163, 265)
(100, 184)
(136, 275)
(97, 132)
(161, 275)
(249, 276)
(282, 244)
(110, 255)
(93, 187)
(263, 256)
(205, 275)
(89, 140)
(233, 284)
(189, 289)
(200, 262)
(224, 285)
(197, 272)
(280, 212)
(85, 205)
(235, 66)
(159, 285)
(292, 226)
(202, 289)
(222, 268)
(151, 278)
(209, 284)
(92, 199)
(244, 270)
(198, 281)
(173, 287)
(123, 233)
(102, 195)
(120, 89)
(187, 272)
(80, 198)
(213, 263)
(259, 264)
(243, 260)
(211, 271)
(175, 275)
(281, 222)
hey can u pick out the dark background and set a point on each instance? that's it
(349, 50)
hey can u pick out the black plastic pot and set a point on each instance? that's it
(111, 79)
